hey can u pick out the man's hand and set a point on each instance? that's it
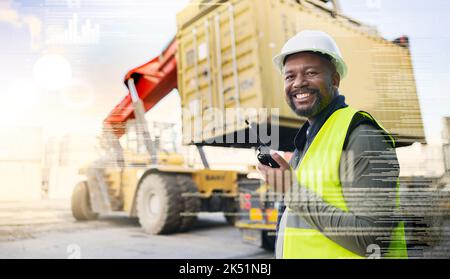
(279, 179)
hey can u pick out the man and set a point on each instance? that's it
(345, 196)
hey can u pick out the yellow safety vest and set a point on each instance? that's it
(319, 171)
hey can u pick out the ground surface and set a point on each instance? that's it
(47, 230)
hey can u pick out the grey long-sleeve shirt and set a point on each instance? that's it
(368, 173)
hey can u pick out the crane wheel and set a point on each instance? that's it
(231, 208)
(268, 240)
(191, 202)
(159, 204)
(81, 203)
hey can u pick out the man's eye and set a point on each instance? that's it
(310, 74)
(290, 77)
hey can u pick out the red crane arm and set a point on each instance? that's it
(153, 81)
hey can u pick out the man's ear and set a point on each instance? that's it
(336, 79)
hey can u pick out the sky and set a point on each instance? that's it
(426, 24)
(93, 43)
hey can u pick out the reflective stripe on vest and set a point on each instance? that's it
(318, 171)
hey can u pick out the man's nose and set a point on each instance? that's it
(300, 81)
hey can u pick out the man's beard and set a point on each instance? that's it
(312, 110)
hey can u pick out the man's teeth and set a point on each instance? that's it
(302, 96)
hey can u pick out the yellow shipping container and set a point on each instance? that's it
(225, 51)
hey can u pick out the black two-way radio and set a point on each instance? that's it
(263, 150)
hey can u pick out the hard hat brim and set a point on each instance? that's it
(339, 63)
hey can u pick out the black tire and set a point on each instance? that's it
(159, 204)
(268, 240)
(231, 208)
(81, 203)
(191, 202)
(231, 219)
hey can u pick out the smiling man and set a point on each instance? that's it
(344, 199)
(309, 96)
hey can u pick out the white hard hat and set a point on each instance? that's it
(312, 40)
